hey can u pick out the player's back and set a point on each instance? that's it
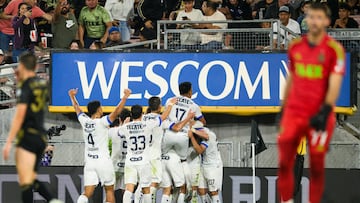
(311, 66)
(95, 134)
(118, 147)
(138, 137)
(181, 109)
(155, 137)
(34, 93)
(211, 156)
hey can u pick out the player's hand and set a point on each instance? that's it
(319, 121)
(6, 151)
(127, 120)
(148, 24)
(190, 134)
(73, 92)
(191, 114)
(173, 101)
(127, 93)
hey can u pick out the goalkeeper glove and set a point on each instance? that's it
(319, 121)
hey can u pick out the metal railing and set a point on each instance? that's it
(148, 43)
(245, 35)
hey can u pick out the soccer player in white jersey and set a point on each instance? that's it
(179, 141)
(155, 145)
(212, 167)
(98, 165)
(118, 154)
(138, 135)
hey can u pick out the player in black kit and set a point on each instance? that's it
(28, 128)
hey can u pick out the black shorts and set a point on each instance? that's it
(32, 142)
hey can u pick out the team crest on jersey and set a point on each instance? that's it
(298, 56)
(321, 57)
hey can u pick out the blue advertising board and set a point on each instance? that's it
(222, 82)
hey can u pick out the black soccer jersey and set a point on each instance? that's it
(34, 93)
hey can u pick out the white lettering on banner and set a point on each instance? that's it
(65, 183)
(156, 79)
(263, 75)
(229, 82)
(174, 77)
(282, 79)
(125, 77)
(98, 73)
(233, 82)
(238, 196)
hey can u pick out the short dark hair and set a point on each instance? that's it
(136, 111)
(185, 87)
(321, 7)
(344, 6)
(93, 106)
(213, 5)
(124, 114)
(28, 59)
(154, 103)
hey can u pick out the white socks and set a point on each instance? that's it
(82, 199)
(127, 197)
(181, 198)
(289, 201)
(153, 194)
(165, 199)
(215, 199)
(146, 198)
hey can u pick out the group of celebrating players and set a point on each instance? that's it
(171, 150)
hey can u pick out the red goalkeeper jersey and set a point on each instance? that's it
(310, 67)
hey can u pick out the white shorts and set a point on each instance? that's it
(211, 177)
(99, 171)
(156, 170)
(135, 174)
(119, 181)
(194, 166)
(176, 141)
(172, 171)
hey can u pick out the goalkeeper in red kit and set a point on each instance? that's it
(317, 65)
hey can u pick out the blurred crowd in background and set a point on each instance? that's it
(95, 24)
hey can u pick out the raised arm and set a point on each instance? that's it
(180, 125)
(113, 115)
(198, 148)
(167, 111)
(72, 95)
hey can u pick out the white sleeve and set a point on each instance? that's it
(115, 143)
(152, 123)
(198, 114)
(105, 120)
(204, 143)
(82, 117)
(167, 124)
(179, 16)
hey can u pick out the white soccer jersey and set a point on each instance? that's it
(95, 133)
(181, 109)
(156, 136)
(138, 138)
(119, 149)
(211, 156)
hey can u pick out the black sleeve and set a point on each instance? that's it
(352, 23)
(24, 94)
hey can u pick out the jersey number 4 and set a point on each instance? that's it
(91, 139)
(137, 143)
